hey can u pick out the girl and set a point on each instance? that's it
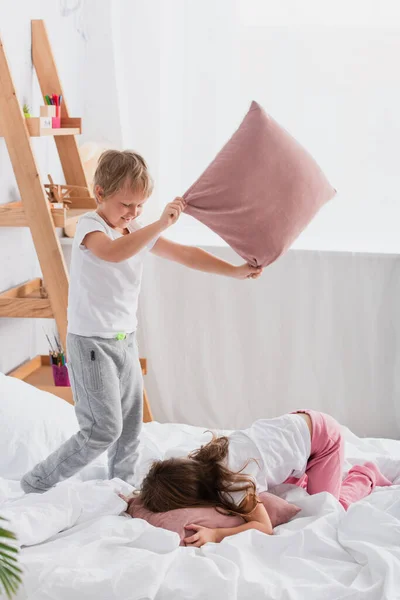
(305, 448)
(103, 362)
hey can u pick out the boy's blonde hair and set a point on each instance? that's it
(115, 168)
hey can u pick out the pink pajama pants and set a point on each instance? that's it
(325, 464)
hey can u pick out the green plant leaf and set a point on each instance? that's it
(7, 585)
(12, 565)
(9, 570)
(9, 548)
(7, 556)
(7, 534)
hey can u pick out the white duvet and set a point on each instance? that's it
(76, 544)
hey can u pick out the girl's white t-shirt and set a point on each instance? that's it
(280, 446)
(103, 295)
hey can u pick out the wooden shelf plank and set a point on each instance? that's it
(69, 126)
(24, 289)
(26, 368)
(13, 215)
(26, 301)
(47, 131)
(38, 372)
(83, 202)
(25, 308)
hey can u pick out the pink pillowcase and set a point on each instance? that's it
(260, 191)
(279, 510)
(177, 520)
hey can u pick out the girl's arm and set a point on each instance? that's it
(257, 519)
(199, 259)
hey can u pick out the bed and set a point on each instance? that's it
(76, 541)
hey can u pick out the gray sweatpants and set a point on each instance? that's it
(107, 385)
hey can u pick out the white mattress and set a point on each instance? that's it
(102, 555)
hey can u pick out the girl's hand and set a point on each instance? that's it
(246, 271)
(126, 498)
(201, 537)
(172, 212)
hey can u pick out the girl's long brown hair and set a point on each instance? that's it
(197, 480)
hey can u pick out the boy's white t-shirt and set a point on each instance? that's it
(280, 446)
(103, 295)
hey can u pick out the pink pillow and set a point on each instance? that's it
(260, 191)
(279, 510)
(177, 520)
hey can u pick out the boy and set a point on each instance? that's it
(103, 362)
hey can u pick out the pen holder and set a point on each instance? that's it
(57, 119)
(60, 375)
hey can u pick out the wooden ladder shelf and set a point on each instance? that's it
(32, 299)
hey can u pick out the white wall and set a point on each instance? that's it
(337, 90)
(328, 73)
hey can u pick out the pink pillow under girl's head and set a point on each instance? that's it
(280, 511)
(260, 191)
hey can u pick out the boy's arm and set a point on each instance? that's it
(128, 245)
(199, 259)
(124, 247)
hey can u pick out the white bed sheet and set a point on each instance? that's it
(101, 554)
